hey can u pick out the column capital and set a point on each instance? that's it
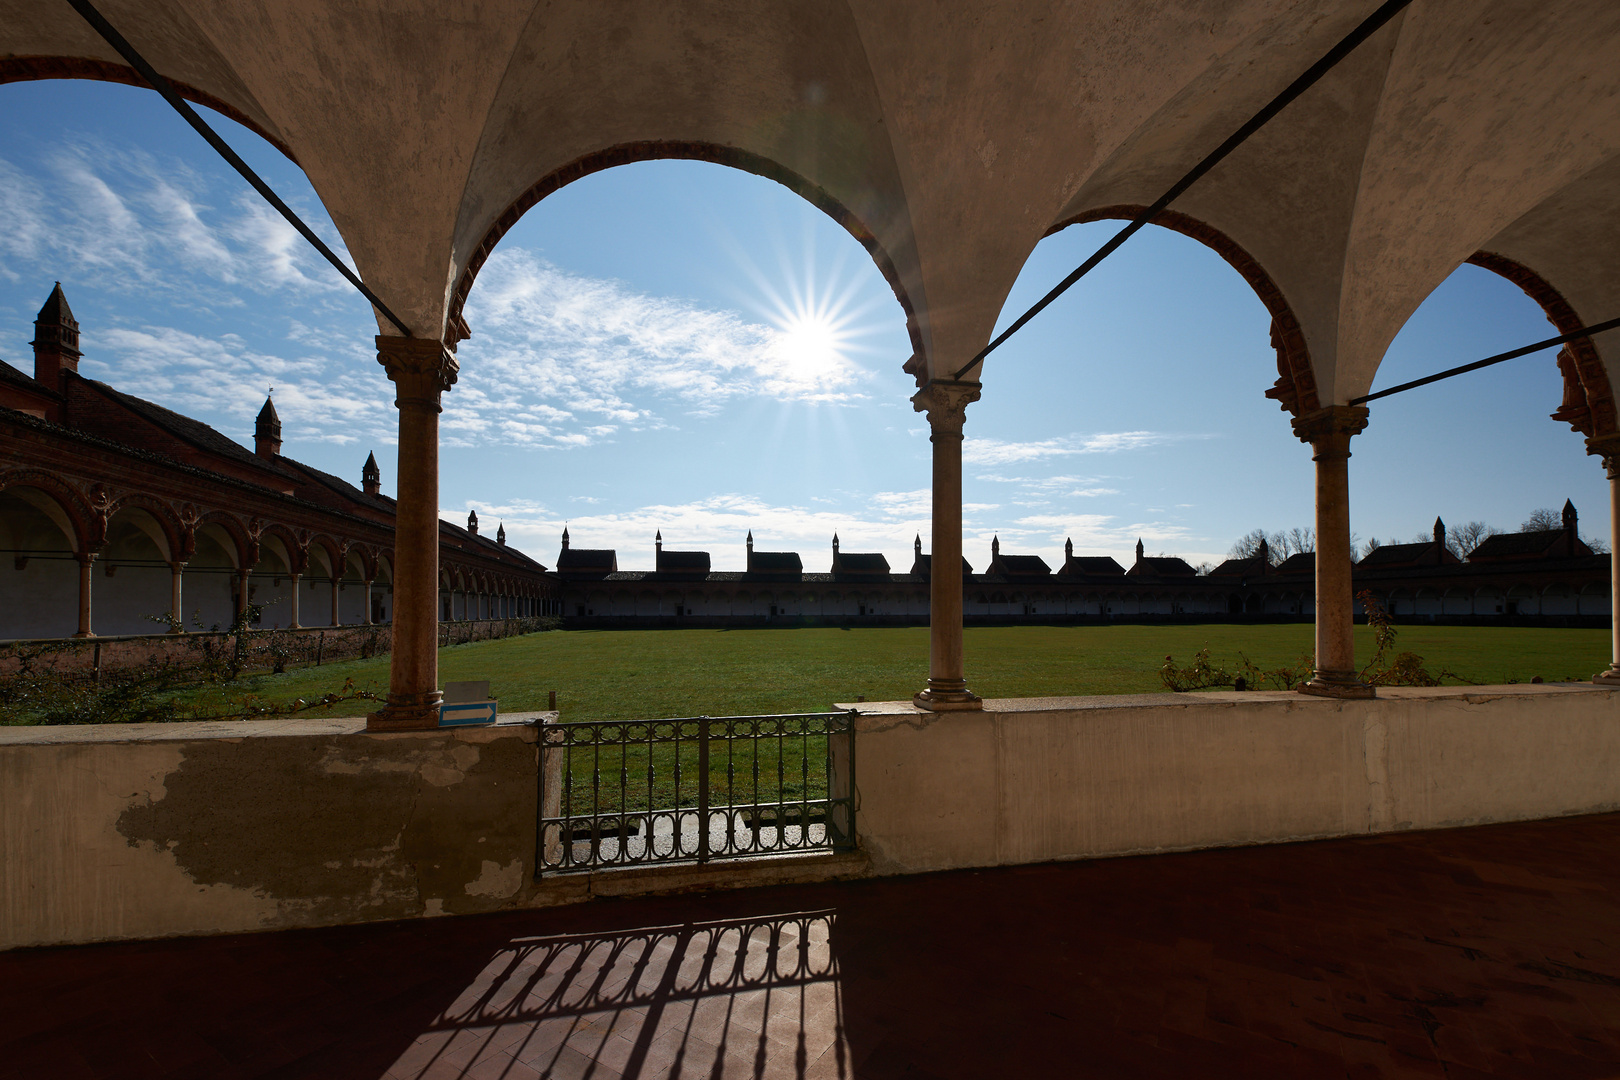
(421, 368)
(1333, 425)
(946, 403)
(1606, 447)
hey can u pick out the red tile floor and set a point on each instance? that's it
(1478, 952)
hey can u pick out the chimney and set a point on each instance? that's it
(565, 538)
(916, 546)
(472, 522)
(1571, 527)
(500, 534)
(1439, 533)
(371, 476)
(56, 341)
(658, 541)
(1265, 554)
(1140, 550)
(267, 431)
(995, 548)
(750, 541)
(1068, 549)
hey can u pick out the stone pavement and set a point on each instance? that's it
(1480, 952)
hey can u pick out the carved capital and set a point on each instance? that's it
(421, 369)
(1329, 430)
(946, 403)
(1606, 447)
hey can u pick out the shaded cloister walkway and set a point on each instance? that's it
(1490, 951)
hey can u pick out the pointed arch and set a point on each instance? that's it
(1295, 388)
(1588, 405)
(683, 150)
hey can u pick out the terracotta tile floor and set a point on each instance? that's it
(1468, 953)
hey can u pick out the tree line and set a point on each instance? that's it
(1461, 540)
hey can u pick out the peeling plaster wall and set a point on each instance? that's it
(144, 830)
(1039, 780)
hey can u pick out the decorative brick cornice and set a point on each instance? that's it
(420, 368)
(1331, 428)
(1606, 447)
(946, 404)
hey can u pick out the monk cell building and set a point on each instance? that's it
(116, 512)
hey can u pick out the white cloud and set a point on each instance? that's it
(571, 359)
(981, 451)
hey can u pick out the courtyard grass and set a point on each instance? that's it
(637, 674)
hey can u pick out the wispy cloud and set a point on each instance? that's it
(982, 451)
(570, 360)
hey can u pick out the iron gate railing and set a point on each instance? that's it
(639, 792)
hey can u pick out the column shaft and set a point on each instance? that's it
(365, 606)
(421, 370)
(1329, 431)
(946, 404)
(86, 563)
(1609, 447)
(336, 613)
(176, 612)
(297, 579)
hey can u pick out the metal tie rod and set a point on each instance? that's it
(164, 87)
(1313, 74)
(1585, 331)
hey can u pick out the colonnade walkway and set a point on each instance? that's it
(1489, 951)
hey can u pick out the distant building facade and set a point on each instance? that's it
(114, 510)
(1549, 577)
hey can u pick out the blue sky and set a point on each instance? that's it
(678, 346)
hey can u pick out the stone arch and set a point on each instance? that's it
(39, 68)
(297, 552)
(336, 552)
(1295, 388)
(683, 150)
(84, 530)
(247, 547)
(1588, 404)
(175, 536)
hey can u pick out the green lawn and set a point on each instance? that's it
(630, 674)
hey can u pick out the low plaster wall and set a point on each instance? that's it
(145, 830)
(1034, 780)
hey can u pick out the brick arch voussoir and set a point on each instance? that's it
(368, 557)
(247, 548)
(1588, 404)
(685, 150)
(336, 550)
(39, 68)
(90, 528)
(1295, 388)
(297, 549)
(178, 536)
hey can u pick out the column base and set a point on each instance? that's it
(947, 696)
(1608, 678)
(407, 712)
(1337, 684)
(84, 634)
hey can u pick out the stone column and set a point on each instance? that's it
(87, 561)
(421, 370)
(1329, 431)
(946, 405)
(365, 606)
(292, 615)
(1608, 446)
(242, 590)
(337, 616)
(176, 569)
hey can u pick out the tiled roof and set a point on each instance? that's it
(1163, 566)
(683, 562)
(1303, 563)
(1518, 545)
(186, 429)
(1395, 554)
(17, 378)
(852, 562)
(923, 565)
(775, 562)
(1252, 566)
(1021, 566)
(1091, 566)
(587, 561)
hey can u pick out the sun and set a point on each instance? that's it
(810, 346)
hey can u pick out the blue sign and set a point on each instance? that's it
(467, 713)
